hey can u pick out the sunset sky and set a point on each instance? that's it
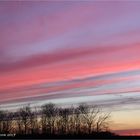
(71, 52)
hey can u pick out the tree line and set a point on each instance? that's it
(53, 120)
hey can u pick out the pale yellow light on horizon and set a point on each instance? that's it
(125, 119)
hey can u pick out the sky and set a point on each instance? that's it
(68, 52)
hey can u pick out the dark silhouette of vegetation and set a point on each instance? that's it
(50, 121)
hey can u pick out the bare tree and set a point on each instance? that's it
(24, 117)
(6, 122)
(18, 121)
(89, 114)
(49, 112)
(2, 114)
(102, 122)
(77, 120)
(34, 121)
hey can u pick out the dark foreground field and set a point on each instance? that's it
(104, 135)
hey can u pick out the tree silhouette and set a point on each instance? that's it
(64, 114)
(2, 116)
(50, 120)
(102, 122)
(49, 113)
(24, 117)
